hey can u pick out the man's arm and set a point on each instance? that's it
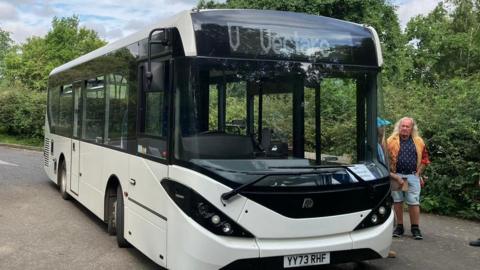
(397, 178)
(424, 162)
(420, 170)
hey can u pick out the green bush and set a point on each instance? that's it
(448, 116)
(22, 112)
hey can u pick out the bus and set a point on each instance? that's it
(228, 139)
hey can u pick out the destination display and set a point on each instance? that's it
(308, 38)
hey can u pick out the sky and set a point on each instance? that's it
(114, 19)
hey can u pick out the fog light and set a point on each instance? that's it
(215, 219)
(382, 210)
(227, 228)
(374, 219)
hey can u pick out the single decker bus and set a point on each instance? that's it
(228, 139)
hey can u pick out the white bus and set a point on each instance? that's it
(228, 139)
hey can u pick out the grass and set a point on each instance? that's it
(5, 138)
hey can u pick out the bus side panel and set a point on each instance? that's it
(147, 233)
(61, 145)
(48, 155)
(91, 182)
(114, 163)
(146, 219)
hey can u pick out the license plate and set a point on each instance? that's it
(306, 259)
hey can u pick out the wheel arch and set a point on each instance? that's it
(110, 190)
(61, 161)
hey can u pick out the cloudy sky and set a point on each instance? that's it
(114, 19)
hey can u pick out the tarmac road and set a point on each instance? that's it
(39, 230)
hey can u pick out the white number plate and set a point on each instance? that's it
(306, 259)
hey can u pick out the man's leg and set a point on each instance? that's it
(414, 211)
(398, 208)
(413, 201)
(398, 198)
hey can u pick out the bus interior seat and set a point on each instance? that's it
(273, 148)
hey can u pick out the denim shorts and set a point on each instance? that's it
(412, 196)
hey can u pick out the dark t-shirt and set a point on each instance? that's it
(407, 157)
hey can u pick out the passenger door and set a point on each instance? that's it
(74, 175)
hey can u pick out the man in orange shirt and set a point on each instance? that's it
(408, 159)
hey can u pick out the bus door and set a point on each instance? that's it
(74, 175)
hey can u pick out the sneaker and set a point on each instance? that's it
(398, 232)
(417, 235)
(475, 243)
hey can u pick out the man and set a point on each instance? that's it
(408, 159)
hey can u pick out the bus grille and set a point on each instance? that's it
(46, 151)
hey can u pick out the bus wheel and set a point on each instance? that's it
(112, 211)
(63, 182)
(120, 218)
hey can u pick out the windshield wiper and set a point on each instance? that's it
(227, 195)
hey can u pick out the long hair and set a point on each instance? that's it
(396, 129)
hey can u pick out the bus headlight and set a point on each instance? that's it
(378, 215)
(202, 211)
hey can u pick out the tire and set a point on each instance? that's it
(120, 218)
(62, 182)
(111, 211)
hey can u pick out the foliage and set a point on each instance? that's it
(31, 62)
(5, 44)
(446, 44)
(22, 112)
(20, 140)
(448, 116)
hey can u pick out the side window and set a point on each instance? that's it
(117, 111)
(152, 139)
(65, 111)
(153, 114)
(94, 110)
(53, 107)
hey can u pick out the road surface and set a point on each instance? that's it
(39, 230)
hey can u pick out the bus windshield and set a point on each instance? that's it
(240, 109)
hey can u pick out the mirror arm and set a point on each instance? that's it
(163, 41)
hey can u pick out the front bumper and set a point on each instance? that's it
(366, 244)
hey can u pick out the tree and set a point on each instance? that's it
(32, 62)
(5, 45)
(446, 44)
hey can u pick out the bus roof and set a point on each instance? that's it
(260, 34)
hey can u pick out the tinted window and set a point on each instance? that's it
(94, 110)
(53, 107)
(65, 111)
(117, 111)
